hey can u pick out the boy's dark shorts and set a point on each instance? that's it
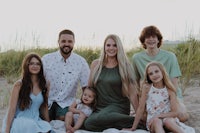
(56, 111)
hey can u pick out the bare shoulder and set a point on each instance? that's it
(94, 63)
(146, 87)
(171, 93)
(145, 90)
(17, 85)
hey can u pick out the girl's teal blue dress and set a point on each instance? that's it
(28, 121)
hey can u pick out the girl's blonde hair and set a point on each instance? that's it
(125, 68)
(166, 80)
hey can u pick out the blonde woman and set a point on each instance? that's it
(112, 77)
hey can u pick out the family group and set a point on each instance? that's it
(111, 86)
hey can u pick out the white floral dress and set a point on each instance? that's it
(84, 108)
(158, 102)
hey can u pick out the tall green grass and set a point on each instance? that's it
(10, 62)
(187, 55)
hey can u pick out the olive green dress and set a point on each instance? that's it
(112, 107)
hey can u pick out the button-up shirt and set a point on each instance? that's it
(64, 77)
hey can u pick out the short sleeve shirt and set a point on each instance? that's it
(64, 77)
(168, 59)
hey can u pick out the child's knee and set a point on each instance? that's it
(168, 121)
(183, 116)
(157, 121)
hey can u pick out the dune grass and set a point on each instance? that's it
(189, 60)
(5, 90)
(187, 54)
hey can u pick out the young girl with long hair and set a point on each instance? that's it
(159, 99)
(28, 100)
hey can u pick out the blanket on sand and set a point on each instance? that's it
(59, 127)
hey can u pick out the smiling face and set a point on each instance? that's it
(66, 44)
(88, 96)
(147, 33)
(34, 66)
(155, 74)
(111, 48)
(151, 42)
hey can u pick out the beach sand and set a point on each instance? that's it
(191, 100)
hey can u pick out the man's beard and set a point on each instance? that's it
(66, 52)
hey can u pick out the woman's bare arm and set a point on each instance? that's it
(12, 105)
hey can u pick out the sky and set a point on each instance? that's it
(37, 23)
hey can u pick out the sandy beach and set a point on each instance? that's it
(191, 100)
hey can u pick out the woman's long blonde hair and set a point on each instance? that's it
(166, 80)
(125, 68)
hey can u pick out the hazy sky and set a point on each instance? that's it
(33, 23)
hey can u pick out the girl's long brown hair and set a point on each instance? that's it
(27, 85)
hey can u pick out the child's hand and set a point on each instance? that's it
(129, 129)
(70, 129)
(80, 112)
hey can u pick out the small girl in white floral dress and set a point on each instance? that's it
(159, 99)
(80, 110)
